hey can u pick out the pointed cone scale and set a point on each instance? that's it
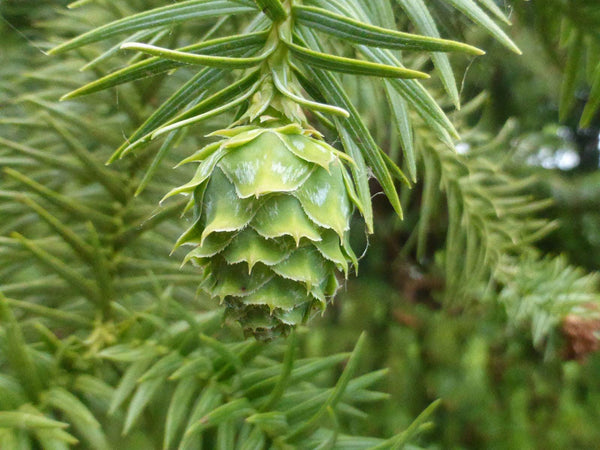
(285, 216)
(201, 154)
(309, 149)
(278, 294)
(263, 166)
(349, 252)
(223, 209)
(330, 248)
(205, 169)
(234, 280)
(325, 200)
(318, 292)
(305, 265)
(251, 248)
(293, 316)
(290, 128)
(191, 236)
(197, 200)
(242, 138)
(212, 245)
(232, 132)
(331, 285)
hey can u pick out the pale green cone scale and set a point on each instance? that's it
(205, 169)
(234, 280)
(325, 199)
(278, 294)
(305, 265)
(263, 166)
(213, 244)
(292, 316)
(273, 209)
(223, 209)
(329, 247)
(316, 152)
(250, 247)
(285, 216)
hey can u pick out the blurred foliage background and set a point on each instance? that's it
(500, 388)
(499, 391)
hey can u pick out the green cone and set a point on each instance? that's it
(272, 214)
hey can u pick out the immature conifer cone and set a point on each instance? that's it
(272, 211)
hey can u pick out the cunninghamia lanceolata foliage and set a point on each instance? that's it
(272, 212)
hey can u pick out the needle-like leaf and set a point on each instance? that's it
(196, 59)
(367, 34)
(166, 15)
(230, 46)
(348, 65)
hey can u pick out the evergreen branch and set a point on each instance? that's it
(365, 34)
(543, 292)
(229, 46)
(62, 201)
(167, 15)
(82, 248)
(182, 97)
(75, 279)
(21, 362)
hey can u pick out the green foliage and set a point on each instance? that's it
(108, 331)
(106, 340)
(497, 391)
(271, 89)
(569, 30)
